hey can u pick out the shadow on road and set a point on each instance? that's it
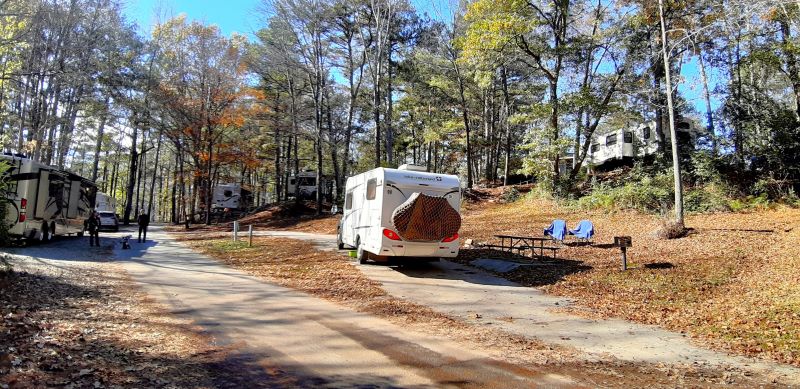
(530, 272)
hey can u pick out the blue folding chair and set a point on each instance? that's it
(557, 230)
(584, 231)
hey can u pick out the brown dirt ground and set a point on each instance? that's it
(89, 326)
(330, 275)
(724, 284)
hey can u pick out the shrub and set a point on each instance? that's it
(671, 230)
(773, 189)
(650, 194)
(510, 195)
(750, 202)
(707, 198)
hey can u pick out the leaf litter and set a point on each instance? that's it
(733, 283)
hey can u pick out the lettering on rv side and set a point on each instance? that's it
(423, 178)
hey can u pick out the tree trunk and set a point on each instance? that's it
(506, 123)
(707, 97)
(99, 145)
(389, 105)
(676, 162)
(132, 171)
(376, 111)
(554, 125)
(155, 174)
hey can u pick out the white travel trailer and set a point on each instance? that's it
(372, 197)
(637, 142)
(43, 201)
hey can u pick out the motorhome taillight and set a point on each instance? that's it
(22, 217)
(23, 203)
(390, 234)
(450, 238)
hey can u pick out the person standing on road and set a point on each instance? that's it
(93, 226)
(143, 221)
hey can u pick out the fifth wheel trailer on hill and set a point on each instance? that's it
(43, 201)
(404, 212)
(625, 145)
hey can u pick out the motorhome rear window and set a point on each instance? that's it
(611, 140)
(646, 133)
(372, 188)
(348, 201)
(628, 137)
(307, 181)
(595, 147)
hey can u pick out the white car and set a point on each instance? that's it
(108, 221)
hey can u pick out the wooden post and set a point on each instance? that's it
(235, 231)
(623, 242)
(250, 236)
(624, 258)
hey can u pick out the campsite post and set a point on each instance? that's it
(623, 242)
(235, 231)
(250, 236)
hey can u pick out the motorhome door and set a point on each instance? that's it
(42, 194)
(74, 199)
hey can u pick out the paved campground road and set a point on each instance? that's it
(304, 340)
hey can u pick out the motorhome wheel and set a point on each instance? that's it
(44, 236)
(339, 242)
(361, 255)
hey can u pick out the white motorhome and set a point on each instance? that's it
(305, 183)
(105, 203)
(230, 196)
(372, 197)
(636, 142)
(43, 201)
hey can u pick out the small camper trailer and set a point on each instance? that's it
(43, 201)
(404, 212)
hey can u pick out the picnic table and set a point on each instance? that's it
(523, 243)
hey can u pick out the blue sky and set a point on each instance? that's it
(230, 16)
(239, 16)
(242, 16)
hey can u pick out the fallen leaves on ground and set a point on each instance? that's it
(86, 326)
(733, 282)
